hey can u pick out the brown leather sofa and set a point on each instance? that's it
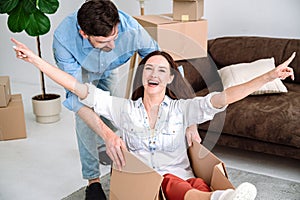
(268, 123)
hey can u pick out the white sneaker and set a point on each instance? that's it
(245, 191)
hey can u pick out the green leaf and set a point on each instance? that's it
(39, 24)
(29, 6)
(48, 6)
(29, 15)
(7, 5)
(17, 20)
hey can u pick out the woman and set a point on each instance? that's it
(153, 124)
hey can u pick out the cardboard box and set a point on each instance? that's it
(188, 10)
(138, 181)
(5, 93)
(183, 40)
(12, 120)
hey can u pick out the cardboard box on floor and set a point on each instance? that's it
(5, 92)
(12, 120)
(183, 40)
(138, 181)
(188, 10)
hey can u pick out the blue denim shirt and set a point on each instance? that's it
(76, 56)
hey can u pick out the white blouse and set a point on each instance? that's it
(163, 148)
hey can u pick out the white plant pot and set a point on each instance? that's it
(47, 110)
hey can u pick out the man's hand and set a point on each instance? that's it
(191, 134)
(114, 147)
(114, 144)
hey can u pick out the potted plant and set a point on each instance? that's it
(30, 15)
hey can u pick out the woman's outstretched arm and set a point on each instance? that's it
(62, 78)
(238, 92)
(113, 142)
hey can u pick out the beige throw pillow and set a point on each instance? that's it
(243, 72)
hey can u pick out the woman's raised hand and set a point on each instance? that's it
(23, 52)
(283, 70)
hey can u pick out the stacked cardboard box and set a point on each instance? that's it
(183, 40)
(182, 34)
(12, 120)
(188, 10)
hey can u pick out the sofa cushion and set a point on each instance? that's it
(240, 73)
(271, 118)
(231, 50)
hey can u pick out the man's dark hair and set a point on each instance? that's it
(98, 17)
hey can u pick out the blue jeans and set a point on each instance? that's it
(88, 141)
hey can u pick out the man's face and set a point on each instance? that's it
(104, 43)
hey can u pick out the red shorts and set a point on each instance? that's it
(174, 188)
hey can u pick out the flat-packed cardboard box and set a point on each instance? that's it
(12, 119)
(188, 10)
(138, 181)
(182, 40)
(5, 92)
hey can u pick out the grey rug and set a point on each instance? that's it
(268, 188)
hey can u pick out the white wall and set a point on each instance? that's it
(274, 18)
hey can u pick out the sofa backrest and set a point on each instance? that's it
(232, 50)
(202, 73)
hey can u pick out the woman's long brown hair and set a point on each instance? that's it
(178, 89)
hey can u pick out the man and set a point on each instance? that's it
(89, 44)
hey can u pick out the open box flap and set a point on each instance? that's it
(209, 167)
(135, 181)
(219, 180)
(202, 161)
